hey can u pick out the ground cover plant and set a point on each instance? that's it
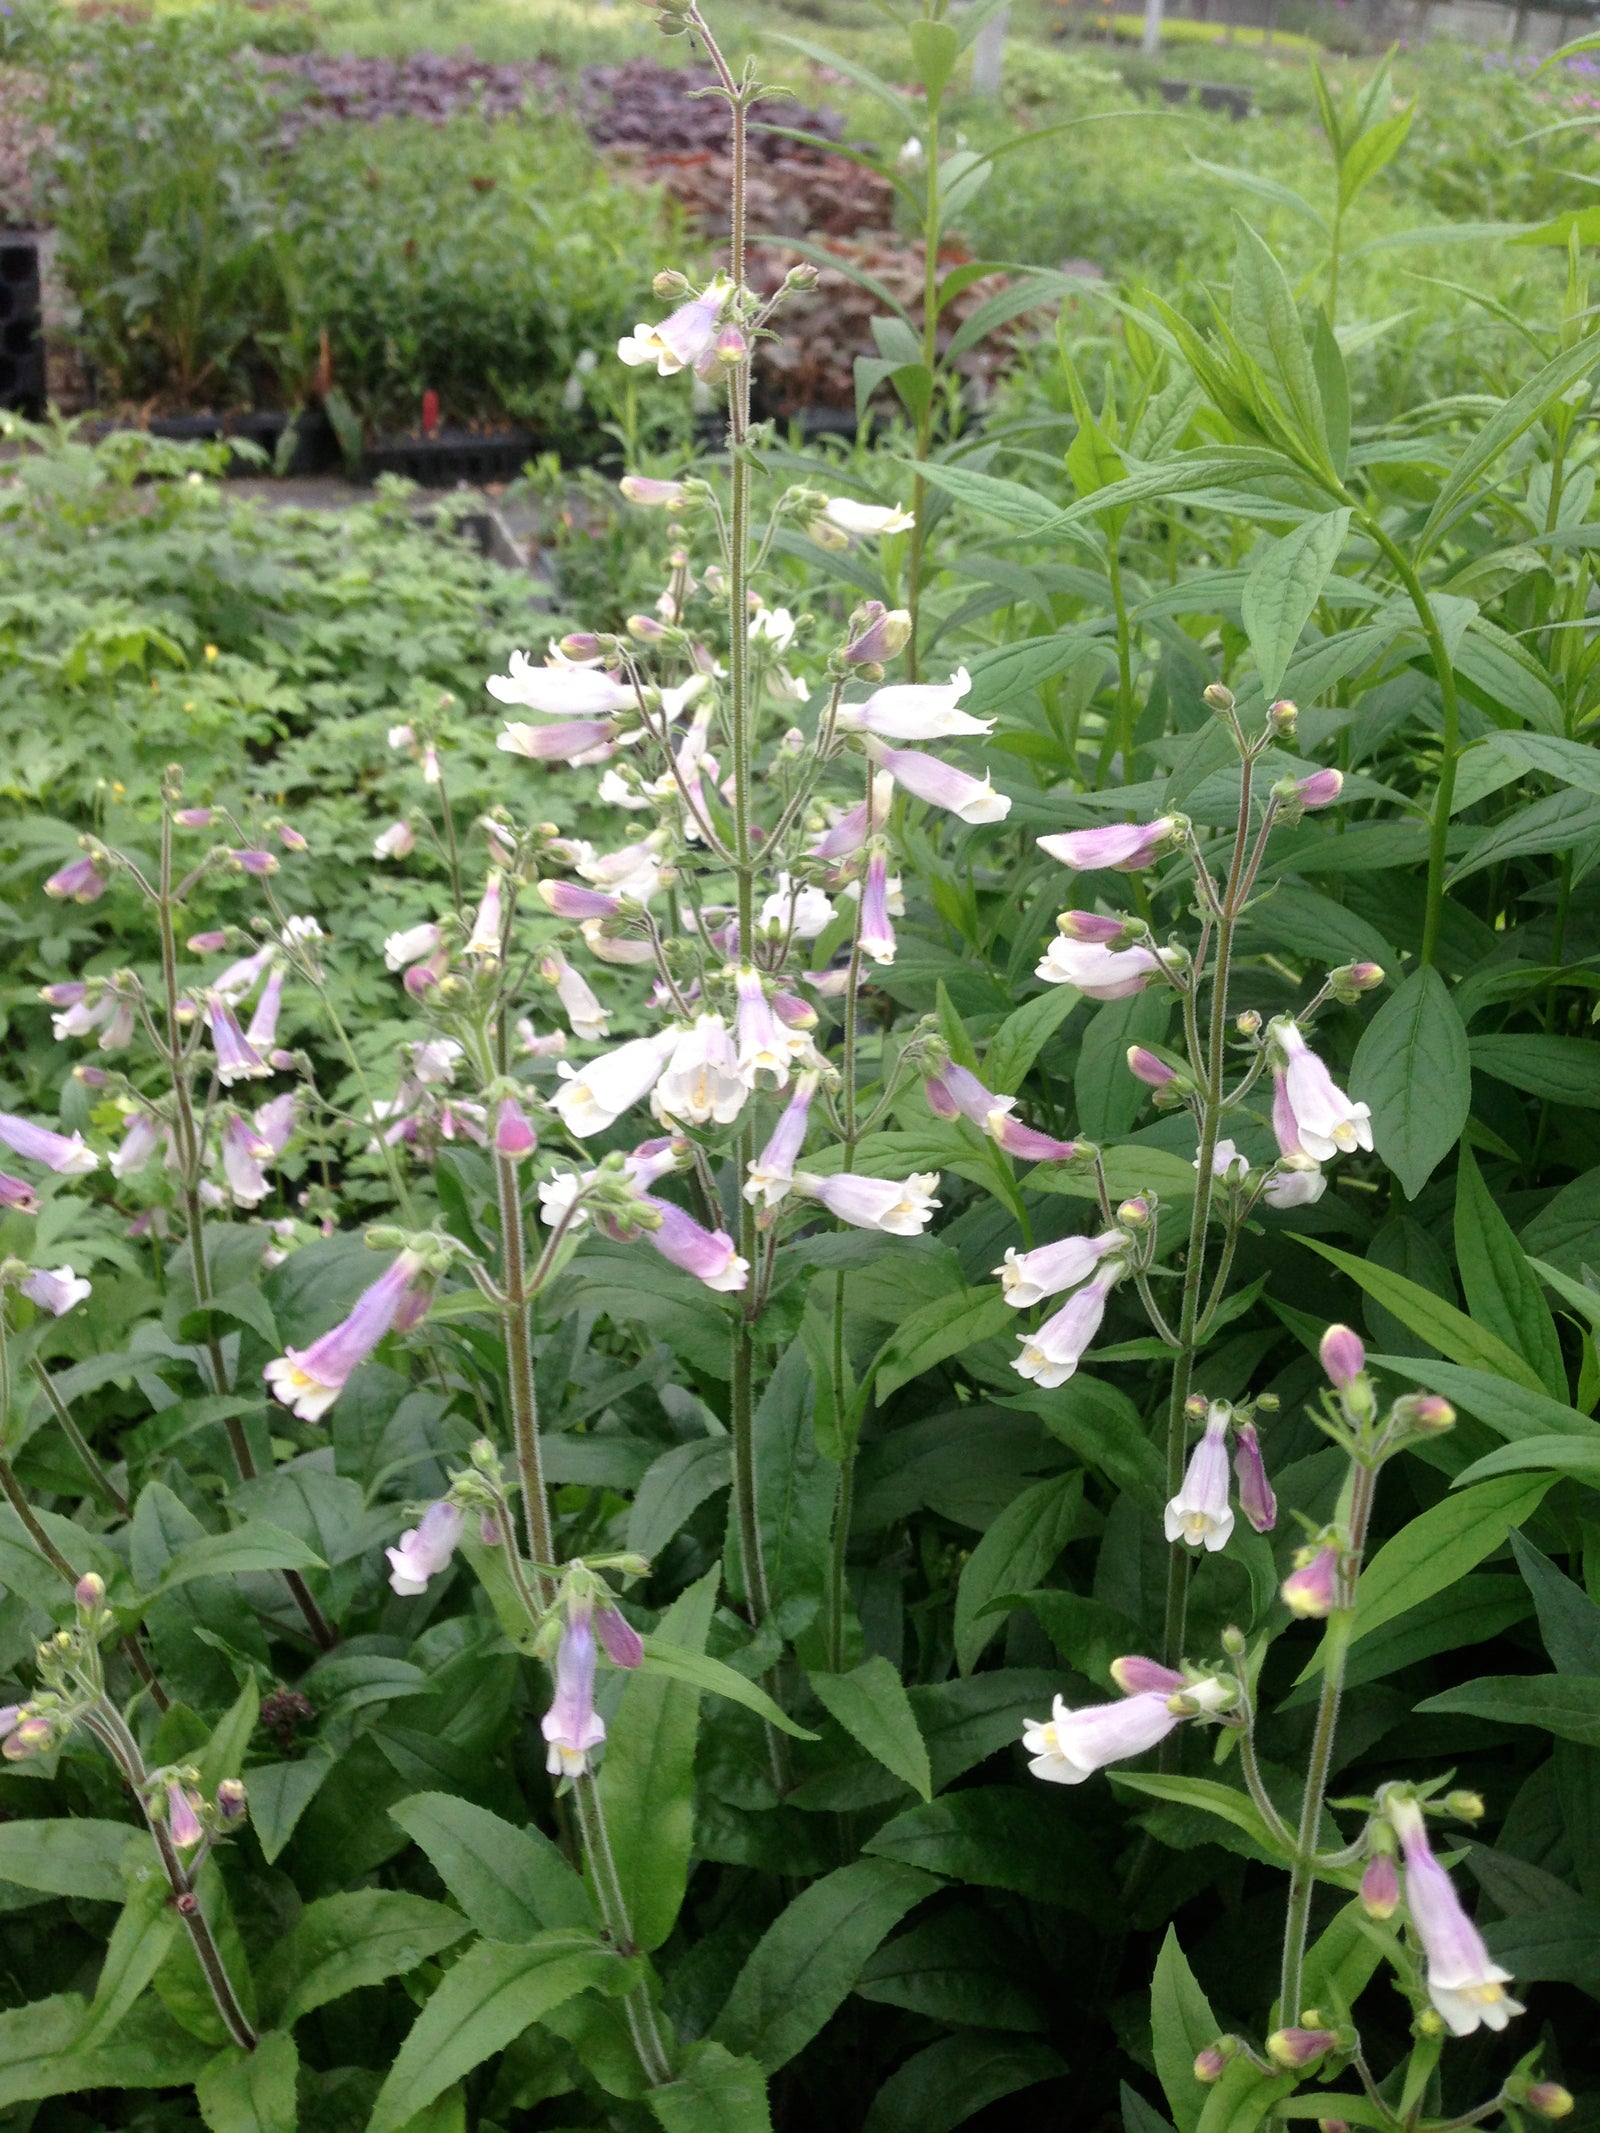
(819, 1346)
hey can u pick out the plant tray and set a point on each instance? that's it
(451, 457)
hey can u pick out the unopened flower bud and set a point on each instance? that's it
(803, 277)
(231, 1800)
(1150, 1068)
(1425, 1412)
(90, 1590)
(1217, 698)
(1343, 1356)
(883, 633)
(90, 1077)
(1134, 1213)
(1465, 1806)
(1380, 1887)
(1311, 1587)
(669, 282)
(193, 818)
(1549, 2099)
(1196, 1406)
(1283, 717)
(208, 943)
(638, 489)
(1429, 2024)
(1293, 2049)
(1248, 1024)
(623, 1644)
(731, 347)
(645, 629)
(1351, 980)
(584, 644)
(1211, 2064)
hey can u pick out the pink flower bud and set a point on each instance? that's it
(183, 1824)
(290, 838)
(1380, 1887)
(1311, 1587)
(1146, 1067)
(193, 818)
(642, 489)
(730, 346)
(1136, 1676)
(1550, 2099)
(90, 1590)
(208, 943)
(79, 883)
(1343, 1356)
(1210, 2065)
(1293, 2049)
(514, 1137)
(1321, 789)
(623, 1644)
(1426, 1411)
(1256, 1499)
(231, 1800)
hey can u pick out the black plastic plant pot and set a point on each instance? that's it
(302, 443)
(453, 456)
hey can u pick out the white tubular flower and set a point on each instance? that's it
(614, 790)
(1325, 1121)
(702, 1082)
(1099, 973)
(1028, 1278)
(1296, 1181)
(764, 1045)
(774, 626)
(558, 1197)
(594, 1097)
(583, 1011)
(1051, 1356)
(681, 340)
(609, 950)
(900, 1208)
(434, 1062)
(772, 1173)
(55, 1291)
(414, 944)
(561, 692)
(1070, 1745)
(1464, 1985)
(915, 711)
(1200, 1513)
(970, 799)
(398, 841)
(484, 938)
(867, 521)
(805, 911)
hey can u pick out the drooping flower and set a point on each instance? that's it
(900, 1208)
(702, 1082)
(866, 521)
(237, 1058)
(684, 338)
(80, 883)
(942, 785)
(243, 1153)
(877, 635)
(877, 928)
(1464, 1985)
(622, 1642)
(584, 1012)
(54, 1290)
(256, 863)
(915, 711)
(568, 741)
(183, 1824)
(955, 1092)
(1200, 1513)
(1150, 1068)
(1070, 1745)
(1051, 1356)
(1295, 1181)
(1256, 1498)
(514, 1136)
(1098, 973)
(772, 1172)
(800, 909)
(65, 1154)
(764, 1046)
(855, 826)
(18, 1195)
(773, 625)
(594, 1097)
(1122, 847)
(572, 1727)
(398, 841)
(276, 1120)
(656, 495)
(487, 927)
(262, 1033)
(568, 899)
(559, 691)
(425, 1549)
(1325, 1121)
(706, 1254)
(1320, 789)
(413, 944)
(309, 1380)
(1312, 1587)
(1028, 1278)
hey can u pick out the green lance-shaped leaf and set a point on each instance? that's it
(490, 1997)
(1502, 1290)
(357, 1938)
(713, 2093)
(1567, 1705)
(1016, 1552)
(252, 2092)
(1412, 1068)
(1281, 592)
(1181, 2025)
(1501, 431)
(513, 1884)
(871, 1703)
(1569, 1621)
(1456, 1336)
(950, 2081)
(810, 1957)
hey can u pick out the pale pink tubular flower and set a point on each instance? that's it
(1150, 1068)
(1051, 1356)
(900, 1208)
(702, 1082)
(18, 1195)
(1098, 973)
(1123, 847)
(309, 1380)
(1312, 1588)
(593, 1098)
(772, 1172)
(572, 1727)
(1070, 1745)
(487, 927)
(237, 1058)
(276, 1120)
(195, 818)
(583, 1011)
(652, 494)
(622, 1642)
(683, 338)
(846, 836)
(706, 1254)
(1256, 1498)
(65, 1154)
(413, 944)
(1028, 1278)
(881, 634)
(183, 1824)
(421, 977)
(262, 1033)
(254, 862)
(241, 978)
(1200, 1513)
(1464, 1985)
(914, 711)
(1325, 1121)
(877, 928)
(942, 785)
(141, 1137)
(559, 692)
(80, 883)
(424, 1550)
(1295, 1181)
(561, 743)
(514, 1136)
(1137, 1676)
(1091, 926)
(568, 900)
(763, 1047)
(54, 1290)
(243, 1152)
(955, 1092)
(1343, 1356)
(398, 841)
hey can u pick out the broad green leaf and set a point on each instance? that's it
(1569, 1621)
(935, 48)
(1379, 145)
(950, 2081)
(1559, 823)
(870, 1702)
(77, 1856)
(252, 1546)
(280, 1793)
(941, 1329)
(144, 1931)
(674, 1489)
(1181, 2025)
(713, 2092)
(1282, 590)
(1558, 1945)
(1563, 1070)
(1456, 1336)
(1340, 1962)
(39, 2055)
(1441, 1545)
(252, 2092)
(1109, 1098)
(1411, 1067)
(1017, 1043)
(1011, 503)
(357, 1938)
(1266, 322)
(1017, 670)
(1501, 1288)
(796, 1488)
(1016, 1552)
(1578, 1456)
(960, 1968)
(1567, 1705)
(1501, 431)
(646, 1782)
(810, 1957)
(715, 1679)
(490, 1997)
(1000, 1837)
(1225, 1801)
(513, 1884)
